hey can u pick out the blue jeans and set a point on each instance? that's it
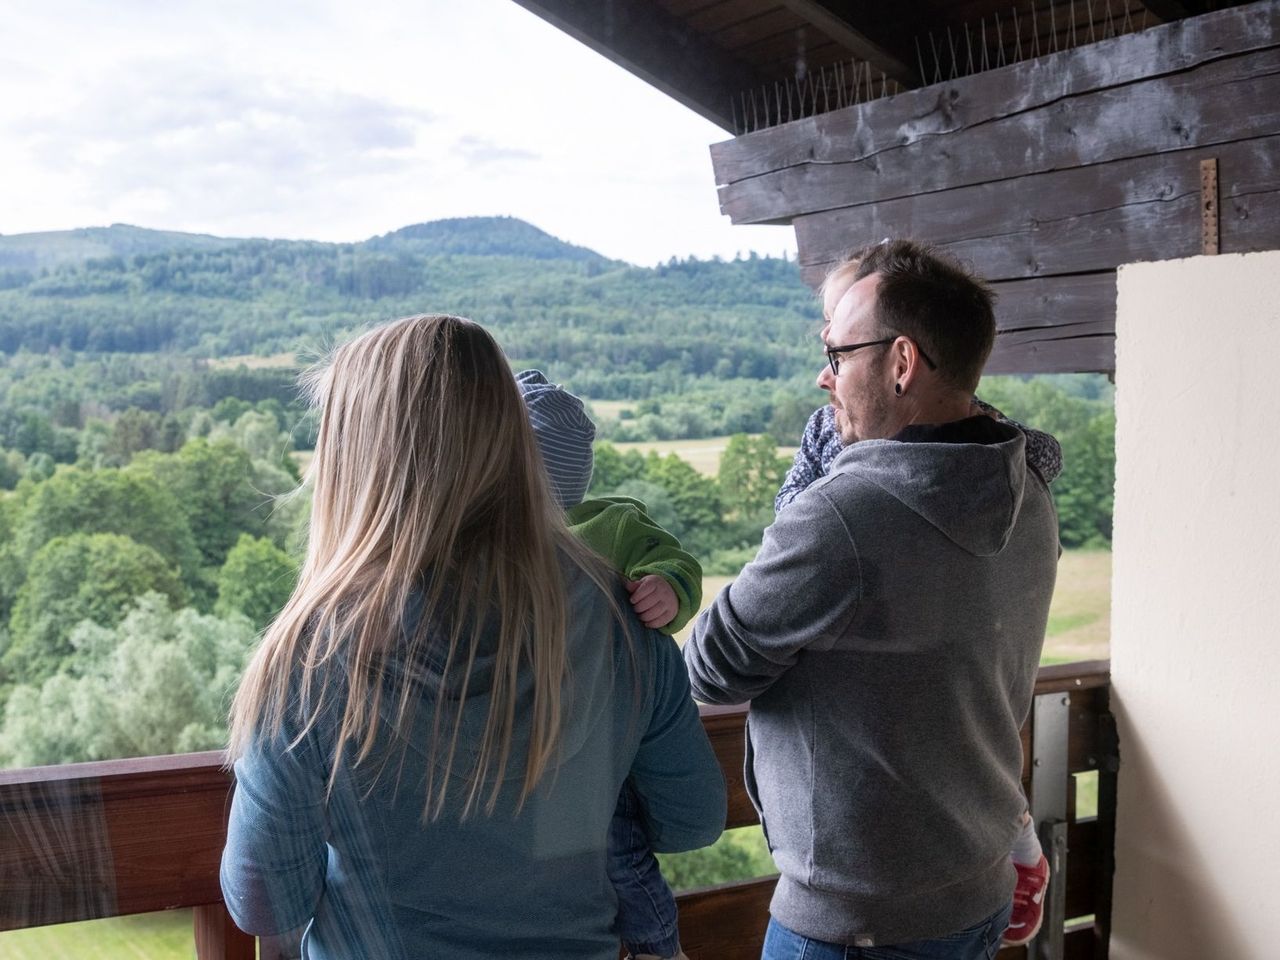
(979, 942)
(646, 906)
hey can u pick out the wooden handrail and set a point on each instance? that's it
(89, 840)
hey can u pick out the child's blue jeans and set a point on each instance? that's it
(646, 906)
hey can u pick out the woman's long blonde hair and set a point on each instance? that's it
(427, 484)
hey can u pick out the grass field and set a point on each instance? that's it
(255, 362)
(609, 409)
(702, 455)
(149, 936)
(1079, 618)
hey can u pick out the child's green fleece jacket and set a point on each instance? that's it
(619, 530)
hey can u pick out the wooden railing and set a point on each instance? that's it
(91, 840)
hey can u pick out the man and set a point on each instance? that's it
(888, 635)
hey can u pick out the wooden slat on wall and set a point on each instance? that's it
(1076, 220)
(1159, 115)
(875, 130)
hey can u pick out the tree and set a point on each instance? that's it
(75, 500)
(740, 854)
(790, 414)
(256, 580)
(750, 474)
(1085, 492)
(220, 492)
(158, 682)
(73, 578)
(614, 468)
(695, 498)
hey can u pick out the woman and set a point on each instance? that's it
(430, 741)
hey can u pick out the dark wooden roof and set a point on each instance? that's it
(747, 64)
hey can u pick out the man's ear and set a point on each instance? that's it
(906, 364)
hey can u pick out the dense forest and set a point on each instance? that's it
(150, 509)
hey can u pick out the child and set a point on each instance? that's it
(665, 584)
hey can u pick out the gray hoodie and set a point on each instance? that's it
(888, 635)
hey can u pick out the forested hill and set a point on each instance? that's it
(126, 290)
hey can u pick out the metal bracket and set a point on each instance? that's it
(1050, 727)
(1209, 206)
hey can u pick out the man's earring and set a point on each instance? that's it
(897, 388)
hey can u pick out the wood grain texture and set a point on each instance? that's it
(1077, 220)
(929, 113)
(218, 938)
(1158, 115)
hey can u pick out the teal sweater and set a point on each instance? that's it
(619, 530)
(369, 877)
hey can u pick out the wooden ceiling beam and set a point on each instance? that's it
(1169, 10)
(853, 25)
(641, 37)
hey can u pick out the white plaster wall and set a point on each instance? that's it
(1196, 609)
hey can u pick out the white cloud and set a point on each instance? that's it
(338, 121)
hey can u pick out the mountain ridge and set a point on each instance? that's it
(460, 236)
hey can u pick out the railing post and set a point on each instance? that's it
(217, 936)
(1050, 729)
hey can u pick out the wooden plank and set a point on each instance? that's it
(720, 16)
(1154, 116)
(641, 37)
(739, 37)
(217, 936)
(726, 922)
(864, 132)
(84, 841)
(1072, 221)
(726, 728)
(856, 27)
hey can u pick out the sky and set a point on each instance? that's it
(339, 121)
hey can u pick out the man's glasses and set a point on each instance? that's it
(833, 353)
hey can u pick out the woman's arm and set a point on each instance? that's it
(273, 866)
(675, 772)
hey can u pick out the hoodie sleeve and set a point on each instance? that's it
(619, 529)
(801, 591)
(273, 865)
(675, 774)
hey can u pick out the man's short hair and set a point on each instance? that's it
(928, 296)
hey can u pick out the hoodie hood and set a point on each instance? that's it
(580, 710)
(965, 478)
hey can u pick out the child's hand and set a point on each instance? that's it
(654, 601)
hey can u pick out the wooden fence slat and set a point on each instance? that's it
(217, 936)
(726, 922)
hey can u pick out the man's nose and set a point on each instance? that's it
(825, 380)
